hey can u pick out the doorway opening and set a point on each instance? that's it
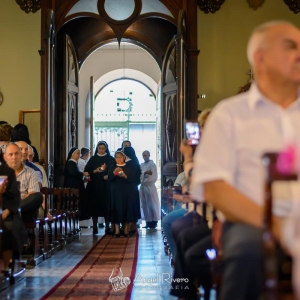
(125, 109)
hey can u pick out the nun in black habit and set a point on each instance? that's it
(133, 162)
(75, 179)
(122, 179)
(96, 188)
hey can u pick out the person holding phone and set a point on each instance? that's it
(191, 260)
(13, 236)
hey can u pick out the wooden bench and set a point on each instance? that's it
(36, 255)
(74, 203)
(51, 244)
(54, 194)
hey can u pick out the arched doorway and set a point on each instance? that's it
(84, 28)
(125, 109)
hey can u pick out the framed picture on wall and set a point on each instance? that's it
(31, 118)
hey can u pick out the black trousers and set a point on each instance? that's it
(191, 262)
(30, 206)
(243, 262)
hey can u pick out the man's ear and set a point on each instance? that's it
(259, 58)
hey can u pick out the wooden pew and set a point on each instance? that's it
(60, 217)
(36, 254)
(75, 211)
(50, 241)
(277, 276)
(4, 278)
(65, 200)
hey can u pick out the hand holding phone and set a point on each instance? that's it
(192, 131)
(2, 179)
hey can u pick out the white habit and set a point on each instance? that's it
(148, 193)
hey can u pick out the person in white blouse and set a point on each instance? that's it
(84, 157)
(228, 169)
(148, 193)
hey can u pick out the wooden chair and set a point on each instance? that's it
(60, 218)
(277, 276)
(37, 255)
(50, 230)
(75, 211)
(65, 200)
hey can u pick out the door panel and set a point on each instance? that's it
(173, 106)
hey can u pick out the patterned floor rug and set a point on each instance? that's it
(105, 272)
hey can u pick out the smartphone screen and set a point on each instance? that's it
(2, 179)
(192, 131)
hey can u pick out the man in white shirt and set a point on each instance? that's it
(228, 169)
(148, 192)
(31, 198)
(24, 151)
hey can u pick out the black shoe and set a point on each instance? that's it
(116, 235)
(153, 224)
(147, 225)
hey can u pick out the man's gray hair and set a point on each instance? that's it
(11, 143)
(29, 147)
(257, 39)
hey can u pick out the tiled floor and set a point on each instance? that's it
(152, 268)
(152, 263)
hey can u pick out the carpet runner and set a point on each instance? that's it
(106, 272)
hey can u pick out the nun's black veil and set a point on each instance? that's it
(71, 152)
(102, 143)
(129, 151)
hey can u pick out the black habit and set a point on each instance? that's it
(97, 186)
(74, 180)
(122, 195)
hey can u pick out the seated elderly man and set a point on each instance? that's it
(31, 198)
(228, 168)
(24, 151)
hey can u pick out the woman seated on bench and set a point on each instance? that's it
(13, 235)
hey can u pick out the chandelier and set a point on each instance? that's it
(255, 4)
(294, 5)
(210, 5)
(29, 5)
